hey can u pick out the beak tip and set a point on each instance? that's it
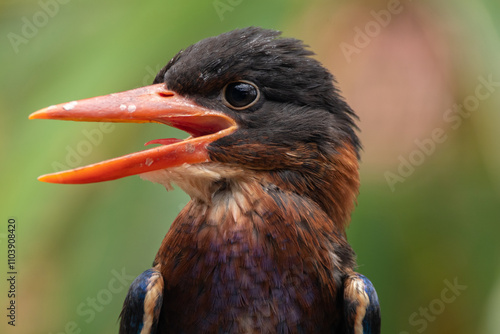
(37, 114)
(42, 178)
(51, 112)
(49, 178)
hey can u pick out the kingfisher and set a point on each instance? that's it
(271, 166)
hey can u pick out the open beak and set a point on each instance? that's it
(142, 105)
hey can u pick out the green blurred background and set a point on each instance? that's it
(403, 72)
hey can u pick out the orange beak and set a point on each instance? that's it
(142, 105)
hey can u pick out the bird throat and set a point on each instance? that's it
(244, 246)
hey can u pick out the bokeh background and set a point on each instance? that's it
(429, 207)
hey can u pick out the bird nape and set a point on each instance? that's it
(271, 166)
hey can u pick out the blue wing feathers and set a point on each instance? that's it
(361, 306)
(142, 306)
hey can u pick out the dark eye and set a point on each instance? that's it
(240, 94)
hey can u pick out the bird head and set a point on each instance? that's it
(255, 105)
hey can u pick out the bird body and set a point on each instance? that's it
(244, 257)
(271, 167)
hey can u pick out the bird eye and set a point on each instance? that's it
(240, 95)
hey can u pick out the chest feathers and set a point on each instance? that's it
(266, 256)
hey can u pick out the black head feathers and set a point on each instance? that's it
(288, 77)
